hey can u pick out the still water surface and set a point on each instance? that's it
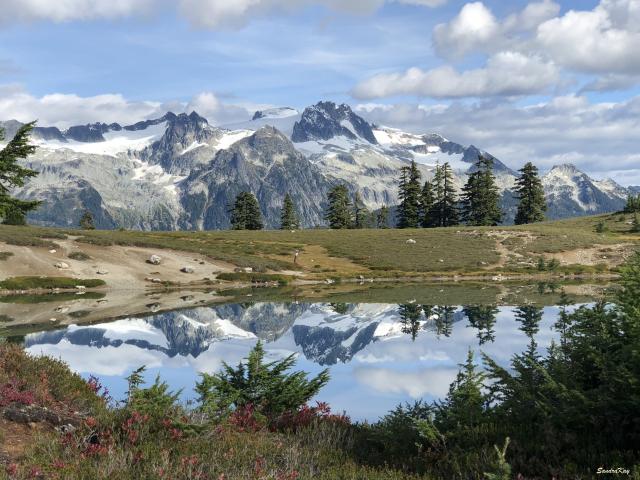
(378, 354)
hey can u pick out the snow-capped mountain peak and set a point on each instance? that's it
(277, 112)
(326, 120)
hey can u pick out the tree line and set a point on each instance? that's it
(436, 203)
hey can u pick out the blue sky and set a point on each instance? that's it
(568, 71)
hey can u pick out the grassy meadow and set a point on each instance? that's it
(378, 252)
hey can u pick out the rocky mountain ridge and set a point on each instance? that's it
(179, 172)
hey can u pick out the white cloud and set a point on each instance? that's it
(231, 14)
(605, 39)
(597, 137)
(506, 73)
(63, 110)
(201, 13)
(433, 381)
(611, 82)
(67, 10)
(474, 27)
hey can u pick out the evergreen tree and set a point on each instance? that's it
(443, 319)
(361, 215)
(265, 386)
(409, 194)
(339, 212)
(246, 214)
(288, 217)
(86, 221)
(529, 317)
(12, 210)
(465, 404)
(382, 217)
(633, 204)
(481, 196)
(530, 193)
(410, 318)
(427, 201)
(635, 226)
(444, 212)
(14, 216)
(483, 318)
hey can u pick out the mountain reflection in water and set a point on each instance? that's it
(379, 354)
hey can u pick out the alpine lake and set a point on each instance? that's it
(383, 344)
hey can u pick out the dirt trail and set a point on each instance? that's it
(120, 267)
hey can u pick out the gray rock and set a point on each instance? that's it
(187, 269)
(61, 265)
(154, 260)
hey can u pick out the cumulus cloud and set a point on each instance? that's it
(506, 73)
(536, 46)
(605, 39)
(598, 137)
(67, 10)
(476, 28)
(434, 381)
(611, 82)
(64, 110)
(201, 13)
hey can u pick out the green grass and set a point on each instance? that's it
(5, 256)
(169, 443)
(255, 277)
(381, 253)
(27, 283)
(79, 256)
(49, 297)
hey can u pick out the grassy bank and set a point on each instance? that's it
(588, 245)
(48, 283)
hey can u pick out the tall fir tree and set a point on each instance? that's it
(633, 204)
(12, 175)
(382, 217)
(481, 196)
(339, 211)
(530, 193)
(289, 217)
(245, 214)
(444, 212)
(86, 221)
(361, 215)
(409, 194)
(426, 204)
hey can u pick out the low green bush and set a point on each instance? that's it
(79, 256)
(254, 277)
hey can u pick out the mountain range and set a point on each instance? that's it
(319, 332)
(180, 172)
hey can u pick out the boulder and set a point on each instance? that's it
(102, 272)
(411, 241)
(154, 260)
(61, 265)
(187, 269)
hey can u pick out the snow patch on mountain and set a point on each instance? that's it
(115, 142)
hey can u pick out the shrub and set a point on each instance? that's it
(254, 277)
(79, 256)
(5, 256)
(266, 387)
